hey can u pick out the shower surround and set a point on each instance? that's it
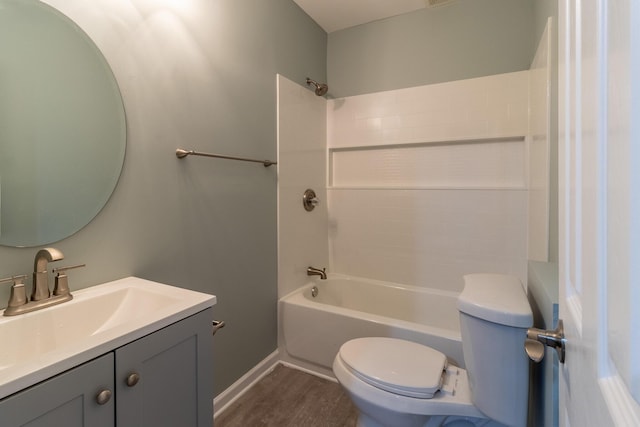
(417, 186)
(427, 184)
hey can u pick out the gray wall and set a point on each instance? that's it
(465, 39)
(543, 9)
(197, 74)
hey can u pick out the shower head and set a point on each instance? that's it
(321, 89)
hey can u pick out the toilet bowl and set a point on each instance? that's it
(398, 383)
(404, 384)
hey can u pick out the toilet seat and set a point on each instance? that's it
(397, 366)
(455, 401)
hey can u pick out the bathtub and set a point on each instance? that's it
(345, 307)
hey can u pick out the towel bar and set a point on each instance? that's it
(180, 153)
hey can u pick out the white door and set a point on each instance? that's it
(599, 158)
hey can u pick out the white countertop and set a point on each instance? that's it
(38, 345)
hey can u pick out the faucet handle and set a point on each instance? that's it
(17, 280)
(18, 295)
(7, 279)
(61, 286)
(70, 267)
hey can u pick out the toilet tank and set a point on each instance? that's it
(494, 318)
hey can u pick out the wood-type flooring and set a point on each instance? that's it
(288, 397)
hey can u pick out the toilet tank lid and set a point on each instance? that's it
(497, 298)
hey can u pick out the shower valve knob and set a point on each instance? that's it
(309, 200)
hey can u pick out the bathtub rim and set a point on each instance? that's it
(298, 297)
(421, 289)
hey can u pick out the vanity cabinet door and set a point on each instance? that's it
(68, 399)
(165, 378)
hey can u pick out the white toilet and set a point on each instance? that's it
(397, 383)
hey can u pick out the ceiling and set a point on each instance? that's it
(333, 15)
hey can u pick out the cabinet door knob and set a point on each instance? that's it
(132, 379)
(103, 397)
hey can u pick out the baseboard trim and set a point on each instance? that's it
(244, 383)
(312, 371)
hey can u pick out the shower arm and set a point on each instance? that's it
(321, 89)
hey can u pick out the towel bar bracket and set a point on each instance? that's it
(217, 324)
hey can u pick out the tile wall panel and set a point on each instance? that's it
(485, 107)
(428, 217)
(302, 235)
(539, 150)
(427, 238)
(472, 164)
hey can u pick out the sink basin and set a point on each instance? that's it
(37, 345)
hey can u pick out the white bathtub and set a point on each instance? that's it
(348, 307)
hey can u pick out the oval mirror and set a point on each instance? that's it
(62, 126)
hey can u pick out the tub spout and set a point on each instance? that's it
(312, 271)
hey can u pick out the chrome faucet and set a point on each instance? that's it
(311, 271)
(40, 276)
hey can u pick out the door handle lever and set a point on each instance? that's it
(537, 339)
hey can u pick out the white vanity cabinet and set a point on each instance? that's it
(161, 379)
